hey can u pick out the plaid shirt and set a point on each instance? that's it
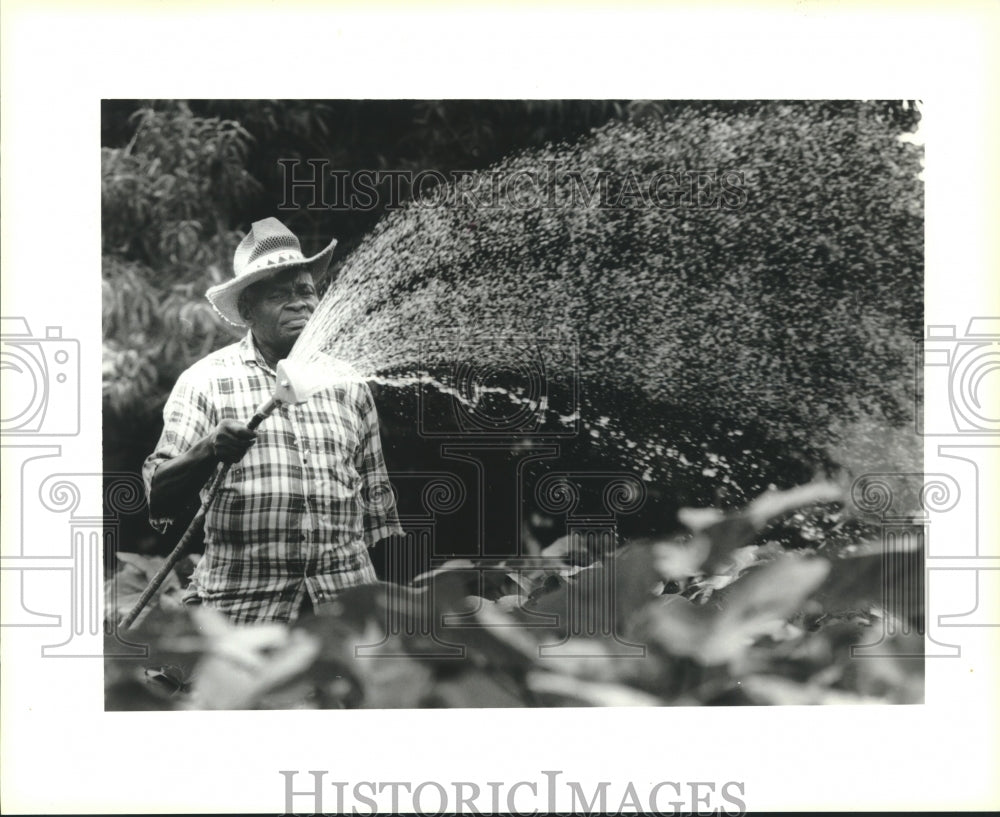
(298, 512)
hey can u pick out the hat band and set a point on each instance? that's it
(272, 259)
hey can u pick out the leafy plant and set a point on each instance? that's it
(779, 630)
(166, 199)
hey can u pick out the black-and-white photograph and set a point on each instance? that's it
(431, 408)
(521, 403)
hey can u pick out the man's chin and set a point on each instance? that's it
(291, 333)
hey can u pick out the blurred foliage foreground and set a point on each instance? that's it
(720, 616)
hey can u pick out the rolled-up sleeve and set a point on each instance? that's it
(380, 516)
(188, 416)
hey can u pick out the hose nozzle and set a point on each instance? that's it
(293, 385)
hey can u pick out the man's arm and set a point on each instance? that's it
(381, 520)
(177, 481)
(192, 444)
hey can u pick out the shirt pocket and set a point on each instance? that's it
(335, 469)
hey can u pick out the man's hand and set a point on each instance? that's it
(231, 439)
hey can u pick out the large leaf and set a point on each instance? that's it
(760, 602)
(243, 665)
(475, 688)
(717, 536)
(751, 607)
(123, 590)
(388, 676)
(562, 690)
(774, 690)
(871, 577)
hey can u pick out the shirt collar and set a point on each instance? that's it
(249, 353)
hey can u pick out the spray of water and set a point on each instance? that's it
(652, 327)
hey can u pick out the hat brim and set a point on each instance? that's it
(224, 297)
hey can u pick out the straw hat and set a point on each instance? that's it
(267, 249)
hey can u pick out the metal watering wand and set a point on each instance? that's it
(294, 387)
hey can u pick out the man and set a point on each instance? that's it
(307, 493)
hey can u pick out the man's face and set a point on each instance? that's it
(280, 308)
